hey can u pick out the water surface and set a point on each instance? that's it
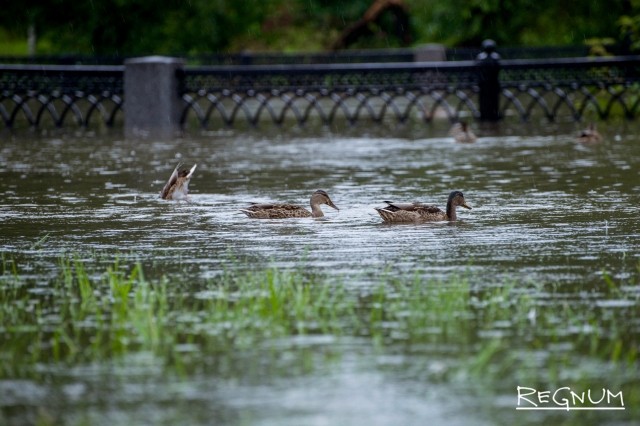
(544, 206)
(546, 210)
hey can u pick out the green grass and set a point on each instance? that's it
(90, 313)
(86, 316)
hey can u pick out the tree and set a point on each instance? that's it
(134, 27)
(513, 22)
(373, 16)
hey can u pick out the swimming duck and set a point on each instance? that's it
(177, 187)
(418, 212)
(589, 135)
(462, 133)
(282, 211)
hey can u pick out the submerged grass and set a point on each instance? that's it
(535, 334)
(84, 316)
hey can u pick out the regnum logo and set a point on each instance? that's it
(567, 399)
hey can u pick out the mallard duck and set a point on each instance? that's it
(462, 133)
(282, 211)
(177, 187)
(418, 212)
(589, 135)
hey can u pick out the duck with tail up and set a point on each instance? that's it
(418, 212)
(177, 187)
(284, 211)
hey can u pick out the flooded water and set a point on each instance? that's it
(545, 209)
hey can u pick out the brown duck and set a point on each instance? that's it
(589, 135)
(462, 133)
(418, 212)
(177, 187)
(283, 211)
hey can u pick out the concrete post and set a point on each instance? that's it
(429, 53)
(152, 103)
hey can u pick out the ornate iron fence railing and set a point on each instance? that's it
(576, 86)
(571, 86)
(217, 96)
(335, 57)
(37, 93)
(326, 92)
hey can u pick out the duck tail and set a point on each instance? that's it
(172, 179)
(193, 169)
(385, 214)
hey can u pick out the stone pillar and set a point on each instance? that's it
(429, 53)
(152, 102)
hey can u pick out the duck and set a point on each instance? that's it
(589, 135)
(177, 187)
(462, 133)
(418, 212)
(283, 211)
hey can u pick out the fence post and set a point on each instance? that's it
(152, 102)
(489, 96)
(430, 52)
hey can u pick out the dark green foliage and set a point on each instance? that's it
(132, 27)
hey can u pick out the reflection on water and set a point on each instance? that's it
(545, 209)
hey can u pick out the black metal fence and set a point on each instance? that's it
(218, 96)
(570, 86)
(337, 57)
(353, 92)
(525, 88)
(37, 94)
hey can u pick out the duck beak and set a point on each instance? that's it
(466, 206)
(330, 204)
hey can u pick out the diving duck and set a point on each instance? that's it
(283, 211)
(177, 187)
(418, 212)
(589, 135)
(462, 133)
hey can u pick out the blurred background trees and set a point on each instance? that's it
(133, 27)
